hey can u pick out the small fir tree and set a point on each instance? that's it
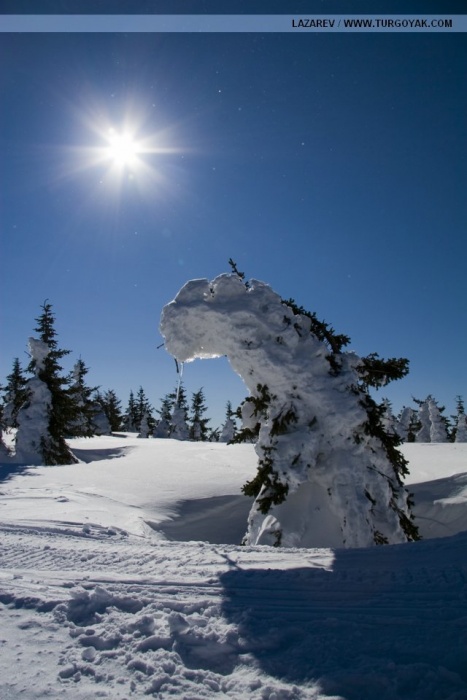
(163, 425)
(461, 428)
(459, 433)
(145, 429)
(143, 409)
(198, 425)
(100, 424)
(15, 394)
(131, 415)
(229, 428)
(460, 411)
(112, 407)
(86, 407)
(179, 429)
(4, 451)
(408, 424)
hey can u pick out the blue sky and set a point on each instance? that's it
(331, 166)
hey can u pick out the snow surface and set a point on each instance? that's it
(97, 602)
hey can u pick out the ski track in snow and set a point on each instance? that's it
(195, 620)
(89, 609)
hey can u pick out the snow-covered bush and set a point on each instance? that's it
(328, 472)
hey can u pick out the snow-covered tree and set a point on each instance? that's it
(131, 415)
(100, 423)
(15, 394)
(179, 428)
(112, 407)
(438, 428)
(433, 425)
(459, 432)
(328, 472)
(229, 427)
(85, 406)
(198, 425)
(461, 428)
(145, 429)
(143, 409)
(407, 425)
(163, 425)
(4, 451)
(39, 439)
(50, 399)
(388, 419)
(424, 419)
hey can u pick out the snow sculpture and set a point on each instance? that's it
(324, 476)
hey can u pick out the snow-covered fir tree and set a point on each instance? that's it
(388, 419)
(198, 424)
(229, 427)
(460, 411)
(38, 440)
(85, 406)
(112, 407)
(163, 425)
(407, 424)
(323, 452)
(143, 409)
(131, 415)
(459, 433)
(461, 428)
(4, 451)
(15, 394)
(50, 399)
(424, 419)
(433, 425)
(145, 429)
(438, 428)
(100, 423)
(179, 428)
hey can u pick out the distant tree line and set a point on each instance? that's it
(46, 406)
(49, 406)
(427, 422)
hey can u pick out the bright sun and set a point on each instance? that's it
(122, 149)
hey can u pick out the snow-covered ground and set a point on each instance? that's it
(103, 595)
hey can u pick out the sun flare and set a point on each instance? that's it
(122, 149)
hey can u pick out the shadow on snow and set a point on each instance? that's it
(378, 625)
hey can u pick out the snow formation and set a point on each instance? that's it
(321, 485)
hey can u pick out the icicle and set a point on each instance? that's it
(180, 375)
